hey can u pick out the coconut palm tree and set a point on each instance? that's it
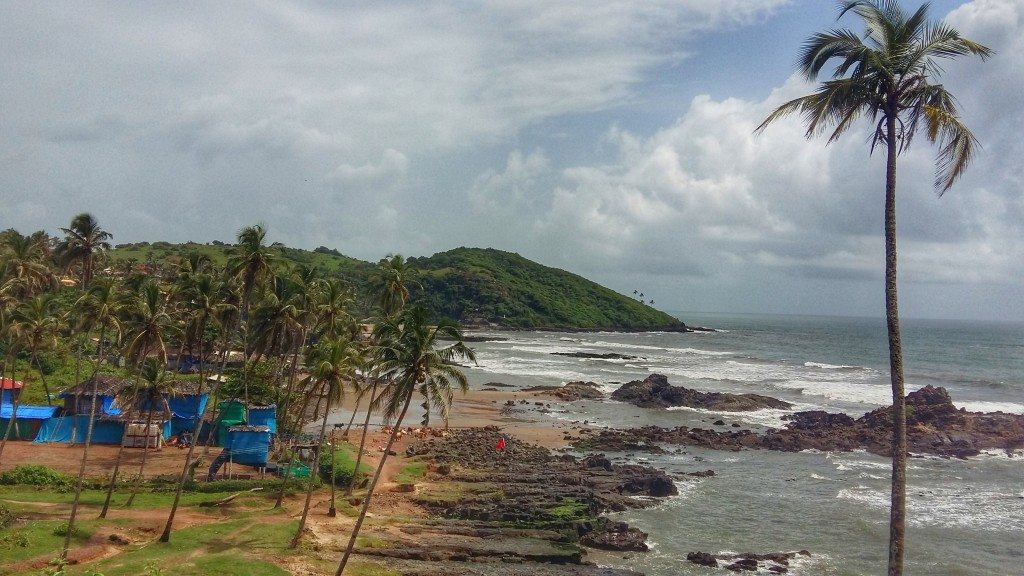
(151, 392)
(407, 357)
(252, 262)
(83, 240)
(39, 323)
(99, 307)
(201, 295)
(331, 363)
(392, 277)
(147, 325)
(887, 75)
(24, 259)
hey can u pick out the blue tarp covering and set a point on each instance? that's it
(249, 444)
(182, 406)
(103, 432)
(28, 412)
(264, 416)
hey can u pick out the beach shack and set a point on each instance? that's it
(73, 423)
(10, 389)
(27, 422)
(186, 405)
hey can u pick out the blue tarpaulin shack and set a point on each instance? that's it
(105, 430)
(248, 444)
(78, 399)
(27, 422)
(186, 405)
(264, 416)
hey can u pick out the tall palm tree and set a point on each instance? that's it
(407, 357)
(331, 363)
(392, 277)
(202, 294)
(152, 391)
(83, 240)
(887, 74)
(40, 323)
(147, 325)
(24, 258)
(99, 307)
(253, 264)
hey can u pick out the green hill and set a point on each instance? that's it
(475, 286)
(490, 286)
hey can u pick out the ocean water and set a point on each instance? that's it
(966, 517)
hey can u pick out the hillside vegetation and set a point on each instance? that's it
(478, 287)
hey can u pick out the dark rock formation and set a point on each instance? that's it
(774, 563)
(703, 559)
(598, 356)
(571, 391)
(617, 536)
(934, 426)
(655, 392)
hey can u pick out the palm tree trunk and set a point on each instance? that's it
(332, 510)
(120, 450)
(85, 452)
(362, 440)
(166, 535)
(78, 379)
(145, 452)
(291, 381)
(216, 390)
(373, 484)
(355, 410)
(42, 377)
(15, 401)
(309, 489)
(898, 497)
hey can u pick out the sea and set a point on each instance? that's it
(965, 517)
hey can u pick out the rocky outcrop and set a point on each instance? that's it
(527, 486)
(772, 563)
(599, 355)
(934, 426)
(571, 391)
(655, 392)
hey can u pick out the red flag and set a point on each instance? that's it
(501, 444)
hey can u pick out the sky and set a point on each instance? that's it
(614, 139)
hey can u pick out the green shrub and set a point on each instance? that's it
(344, 465)
(35, 475)
(62, 531)
(6, 517)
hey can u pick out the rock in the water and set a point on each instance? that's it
(703, 559)
(616, 536)
(655, 392)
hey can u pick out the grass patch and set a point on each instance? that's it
(26, 540)
(411, 472)
(35, 475)
(232, 548)
(569, 510)
(372, 542)
(344, 464)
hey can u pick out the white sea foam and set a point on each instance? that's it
(842, 390)
(769, 417)
(824, 366)
(951, 506)
(982, 406)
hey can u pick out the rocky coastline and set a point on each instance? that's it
(935, 427)
(499, 506)
(656, 392)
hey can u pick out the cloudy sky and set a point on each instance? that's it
(610, 138)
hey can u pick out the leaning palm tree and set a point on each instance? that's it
(151, 392)
(331, 363)
(886, 75)
(83, 240)
(24, 259)
(147, 325)
(407, 357)
(202, 294)
(99, 307)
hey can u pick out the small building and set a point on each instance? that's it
(78, 399)
(27, 421)
(10, 389)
